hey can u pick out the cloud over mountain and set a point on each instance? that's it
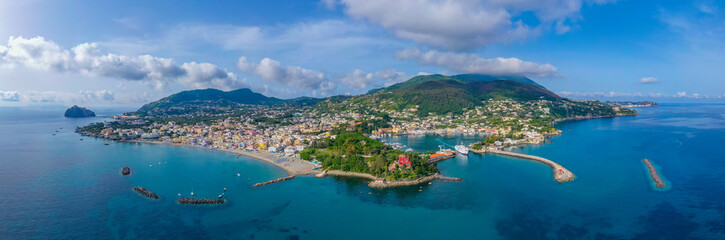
(359, 79)
(41, 54)
(293, 76)
(470, 63)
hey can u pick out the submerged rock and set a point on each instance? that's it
(78, 112)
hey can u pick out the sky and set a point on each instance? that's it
(127, 53)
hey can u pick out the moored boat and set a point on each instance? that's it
(462, 149)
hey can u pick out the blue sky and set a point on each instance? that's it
(131, 52)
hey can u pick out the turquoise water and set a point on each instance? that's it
(59, 187)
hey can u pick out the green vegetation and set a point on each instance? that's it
(354, 152)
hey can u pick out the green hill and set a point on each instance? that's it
(445, 94)
(461, 78)
(211, 97)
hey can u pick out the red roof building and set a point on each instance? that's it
(403, 161)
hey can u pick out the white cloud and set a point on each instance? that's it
(648, 80)
(58, 97)
(359, 79)
(9, 96)
(465, 24)
(637, 95)
(293, 76)
(470, 63)
(38, 53)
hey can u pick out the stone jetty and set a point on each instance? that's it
(379, 183)
(561, 174)
(653, 173)
(146, 192)
(273, 181)
(126, 171)
(195, 201)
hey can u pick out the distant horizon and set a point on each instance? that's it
(133, 52)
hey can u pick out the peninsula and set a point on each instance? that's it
(340, 133)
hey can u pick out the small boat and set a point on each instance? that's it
(103, 144)
(239, 174)
(221, 195)
(462, 149)
(225, 189)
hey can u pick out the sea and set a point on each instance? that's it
(56, 184)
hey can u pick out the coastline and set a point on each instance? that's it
(292, 170)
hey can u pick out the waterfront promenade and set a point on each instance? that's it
(561, 174)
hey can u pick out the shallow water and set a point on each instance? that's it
(60, 187)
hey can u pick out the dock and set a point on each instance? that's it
(195, 201)
(146, 192)
(441, 158)
(653, 173)
(273, 181)
(561, 174)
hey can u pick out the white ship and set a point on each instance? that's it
(462, 149)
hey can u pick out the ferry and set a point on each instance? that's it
(462, 149)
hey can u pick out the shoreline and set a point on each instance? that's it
(291, 171)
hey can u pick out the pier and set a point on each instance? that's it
(273, 181)
(441, 158)
(653, 173)
(146, 192)
(561, 174)
(195, 201)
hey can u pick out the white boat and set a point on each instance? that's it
(462, 149)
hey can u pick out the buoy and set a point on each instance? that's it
(179, 194)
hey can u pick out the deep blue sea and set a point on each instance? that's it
(62, 187)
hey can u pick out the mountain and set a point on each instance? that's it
(211, 97)
(442, 94)
(78, 112)
(461, 78)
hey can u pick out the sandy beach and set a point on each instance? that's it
(292, 165)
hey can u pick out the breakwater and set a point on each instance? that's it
(195, 201)
(403, 183)
(146, 192)
(273, 181)
(653, 173)
(126, 171)
(561, 174)
(441, 158)
(347, 174)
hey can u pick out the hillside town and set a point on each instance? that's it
(289, 130)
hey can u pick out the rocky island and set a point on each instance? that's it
(78, 112)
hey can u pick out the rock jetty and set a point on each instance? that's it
(380, 183)
(653, 173)
(273, 181)
(195, 201)
(126, 171)
(78, 112)
(146, 192)
(561, 174)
